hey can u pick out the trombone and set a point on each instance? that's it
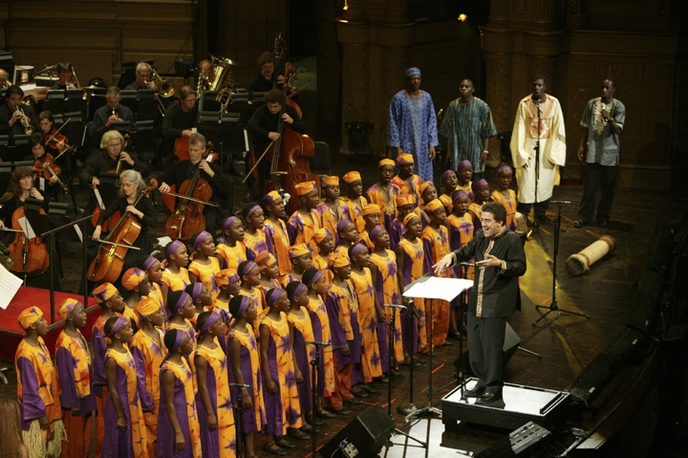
(165, 89)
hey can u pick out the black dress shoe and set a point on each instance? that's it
(580, 223)
(369, 389)
(474, 392)
(341, 411)
(275, 451)
(603, 223)
(490, 396)
(353, 401)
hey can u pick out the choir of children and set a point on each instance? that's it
(224, 344)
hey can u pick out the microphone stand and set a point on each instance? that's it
(240, 411)
(315, 391)
(408, 407)
(536, 223)
(553, 307)
(390, 357)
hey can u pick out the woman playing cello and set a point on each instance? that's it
(131, 186)
(209, 176)
(30, 255)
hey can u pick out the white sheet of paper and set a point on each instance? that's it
(26, 227)
(164, 240)
(9, 285)
(439, 288)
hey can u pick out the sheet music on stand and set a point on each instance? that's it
(9, 285)
(428, 287)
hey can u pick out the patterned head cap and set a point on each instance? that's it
(405, 159)
(132, 278)
(433, 206)
(304, 188)
(371, 209)
(67, 307)
(352, 176)
(29, 316)
(104, 292)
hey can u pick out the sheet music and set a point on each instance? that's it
(26, 227)
(9, 285)
(439, 288)
(78, 232)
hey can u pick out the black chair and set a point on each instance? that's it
(320, 162)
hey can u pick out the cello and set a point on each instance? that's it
(108, 263)
(30, 255)
(194, 194)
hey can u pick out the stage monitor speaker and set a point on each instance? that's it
(627, 345)
(367, 433)
(645, 310)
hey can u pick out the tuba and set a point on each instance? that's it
(221, 67)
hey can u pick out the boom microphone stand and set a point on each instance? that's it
(240, 410)
(315, 390)
(390, 341)
(553, 307)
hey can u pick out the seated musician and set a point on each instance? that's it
(111, 112)
(266, 79)
(46, 124)
(4, 79)
(263, 129)
(45, 181)
(64, 77)
(20, 188)
(144, 73)
(180, 117)
(205, 74)
(11, 113)
(210, 172)
(130, 188)
(105, 162)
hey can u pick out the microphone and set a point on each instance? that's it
(395, 306)
(324, 344)
(560, 201)
(240, 385)
(467, 264)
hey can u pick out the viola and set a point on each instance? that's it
(47, 168)
(194, 194)
(30, 256)
(108, 263)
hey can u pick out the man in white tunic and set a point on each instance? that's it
(539, 124)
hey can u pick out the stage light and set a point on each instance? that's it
(462, 17)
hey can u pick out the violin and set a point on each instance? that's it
(30, 256)
(47, 168)
(108, 263)
(194, 194)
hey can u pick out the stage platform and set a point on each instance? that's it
(520, 404)
(10, 331)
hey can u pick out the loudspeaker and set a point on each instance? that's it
(626, 346)
(367, 433)
(645, 310)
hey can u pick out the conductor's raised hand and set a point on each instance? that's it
(443, 264)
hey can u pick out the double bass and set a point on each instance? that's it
(108, 263)
(194, 194)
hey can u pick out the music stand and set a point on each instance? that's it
(225, 131)
(430, 287)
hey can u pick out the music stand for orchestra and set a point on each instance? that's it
(225, 131)
(7, 166)
(58, 223)
(430, 287)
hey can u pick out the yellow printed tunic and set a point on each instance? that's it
(321, 331)
(176, 282)
(233, 255)
(279, 239)
(131, 442)
(414, 264)
(387, 289)
(283, 409)
(187, 415)
(367, 321)
(222, 441)
(205, 273)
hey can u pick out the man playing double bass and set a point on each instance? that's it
(210, 172)
(263, 127)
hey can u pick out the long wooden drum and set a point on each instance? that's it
(579, 263)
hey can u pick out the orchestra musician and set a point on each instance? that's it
(11, 117)
(64, 77)
(266, 79)
(111, 112)
(49, 186)
(4, 79)
(105, 162)
(205, 74)
(263, 128)
(131, 186)
(144, 73)
(179, 119)
(20, 188)
(210, 172)
(46, 124)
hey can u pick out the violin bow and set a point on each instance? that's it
(257, 162)
(58, 130)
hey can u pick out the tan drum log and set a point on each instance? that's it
(521, 222)
(579, 263)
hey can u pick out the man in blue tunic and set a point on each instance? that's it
(413, 125)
